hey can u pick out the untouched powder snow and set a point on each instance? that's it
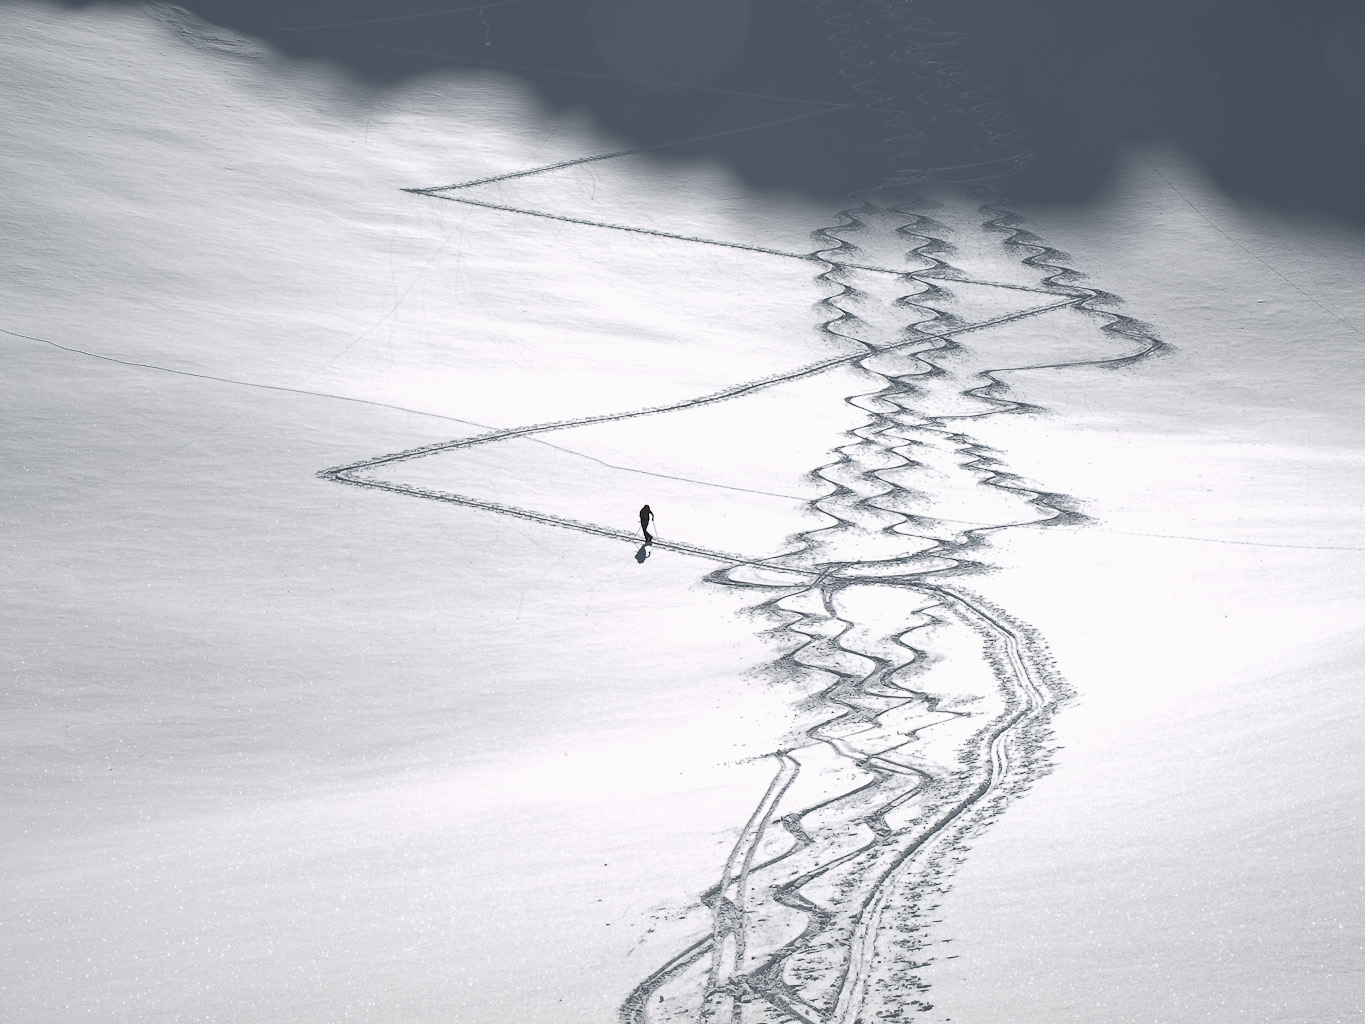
(339, 684)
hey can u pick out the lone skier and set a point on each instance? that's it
(646, 517)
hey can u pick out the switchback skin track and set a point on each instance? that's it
(928, 707)
(822, 905)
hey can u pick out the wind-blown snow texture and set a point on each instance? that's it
(869, 626)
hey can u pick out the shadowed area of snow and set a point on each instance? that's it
(1267, 96)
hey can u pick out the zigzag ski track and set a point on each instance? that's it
(927, 707)
(921, 724)
(836, 920)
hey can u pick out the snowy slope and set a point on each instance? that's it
(339, 684)
(1196, 853)
(275, 747)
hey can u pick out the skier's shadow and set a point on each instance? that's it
(642, 554)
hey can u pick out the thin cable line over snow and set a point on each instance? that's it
(240, 383)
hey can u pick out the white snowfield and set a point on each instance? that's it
(997, 658)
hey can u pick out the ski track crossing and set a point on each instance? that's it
(928, 707)
(823, 909)
(822, 913)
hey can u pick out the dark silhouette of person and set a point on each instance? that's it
(646, 517)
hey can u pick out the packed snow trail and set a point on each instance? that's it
(933, 716)
(927, 706)
(832, 921)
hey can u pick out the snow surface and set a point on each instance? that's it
(1196, 853)
(288, 746)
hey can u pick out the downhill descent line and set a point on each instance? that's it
(843, 965)
(858, 976)
(826, 931)
(844, 846)
(829, 930)
(731, 899)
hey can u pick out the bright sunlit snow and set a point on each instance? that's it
(996, 657)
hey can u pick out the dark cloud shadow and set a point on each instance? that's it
(1042, 95)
